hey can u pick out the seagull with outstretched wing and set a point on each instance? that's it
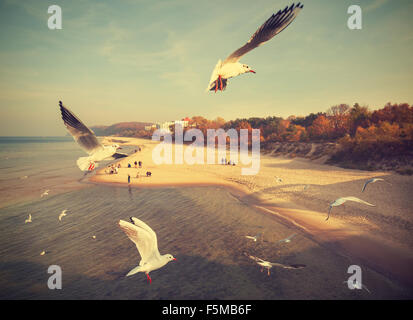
(288, 239)
(147, 244)
(268, 265)
(373, 180)
(231, 67)
(87, 140)
(340, 201)
(254, 238)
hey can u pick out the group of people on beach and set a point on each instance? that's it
(112, 169)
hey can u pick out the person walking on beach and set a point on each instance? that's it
(136, 163)
(140, 164)
(128, 178)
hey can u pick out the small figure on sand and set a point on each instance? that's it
(136, 163)
(148, 173)
(140, 164)
(128, 178)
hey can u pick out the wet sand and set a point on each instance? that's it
(203, 227)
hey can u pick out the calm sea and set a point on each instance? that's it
(203, 227)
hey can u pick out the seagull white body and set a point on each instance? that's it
(29, 219)
(268, 265)
(88, 142)
(373, 180)
(288, 239)
(340, 201)
(254, 238)
(43, 253)
(62, 214)
(231, 67)
(46, 193)
(147, 244)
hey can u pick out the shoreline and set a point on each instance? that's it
(354, 237)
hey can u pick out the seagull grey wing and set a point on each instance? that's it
(291, 236)
(142, 238)
(274, 25)
(119, 155)
(82, 134)
(292, 266)
(365, 184)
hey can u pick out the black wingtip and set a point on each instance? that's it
(131, 220)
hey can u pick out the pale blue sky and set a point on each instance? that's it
(151, 60)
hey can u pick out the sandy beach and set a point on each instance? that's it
(377, 237)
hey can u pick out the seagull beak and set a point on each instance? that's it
(174, 259)
(252, 71)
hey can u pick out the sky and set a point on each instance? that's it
(151, 60)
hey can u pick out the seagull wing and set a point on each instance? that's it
(292, 266)
(274, 25)
(254, 258)
(365, 184)
(358, 200)
(143, 237)
(118, 155)
(82, 134)
(291, 236)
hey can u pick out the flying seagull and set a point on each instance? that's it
(254, 238)
(62, 214)
(268, 265)
(373, 180)
(231, 67)
(288, 239)
(146, 242)
(340, 201)
(29, 219)
(88, 142)
(46, 193)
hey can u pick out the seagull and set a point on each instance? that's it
(269, 265)
(231, 67)
(29, 219)
(373, 180)
(288, 239)
(356, 285)
(146, 242)
(306, 187)
(43, 253)
(62, 214)
(94, 237)
(88, 142)
(255, 238)
(340, 201)
(46, 193)
(278, 179)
